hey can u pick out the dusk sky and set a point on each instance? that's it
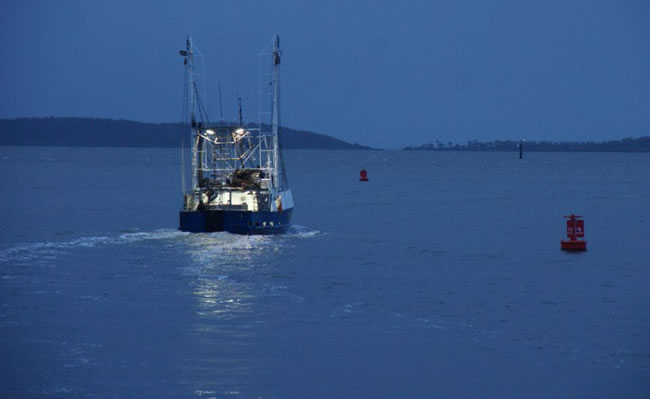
(382, 73)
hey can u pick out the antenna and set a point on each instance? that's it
(220, 105)
(241, 119)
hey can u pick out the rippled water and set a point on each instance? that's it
(441, 277)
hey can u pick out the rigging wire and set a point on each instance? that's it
(182, 128)
(203, 114)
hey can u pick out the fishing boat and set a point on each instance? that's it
(238, 180)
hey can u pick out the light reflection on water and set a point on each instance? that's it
(225, 272)
(224, 268)
(220, 267)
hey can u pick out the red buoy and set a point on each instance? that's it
(363, 175)
(575, 228)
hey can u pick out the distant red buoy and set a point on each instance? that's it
(575, 228)
(363, 175)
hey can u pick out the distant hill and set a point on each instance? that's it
(641, 144)
(123, 133)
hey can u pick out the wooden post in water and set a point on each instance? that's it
(521, 149)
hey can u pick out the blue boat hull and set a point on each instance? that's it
(237, 222)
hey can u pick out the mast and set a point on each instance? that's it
(188, 53)
(275, 111)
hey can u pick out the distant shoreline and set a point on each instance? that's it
(95, 132)
(641, 144)
(331, 149)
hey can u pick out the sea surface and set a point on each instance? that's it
(442, 277)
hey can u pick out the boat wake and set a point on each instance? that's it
(302, 231)
(204, 244)
(27, 251)
(161, 234)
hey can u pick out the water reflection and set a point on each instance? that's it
(224, 270)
